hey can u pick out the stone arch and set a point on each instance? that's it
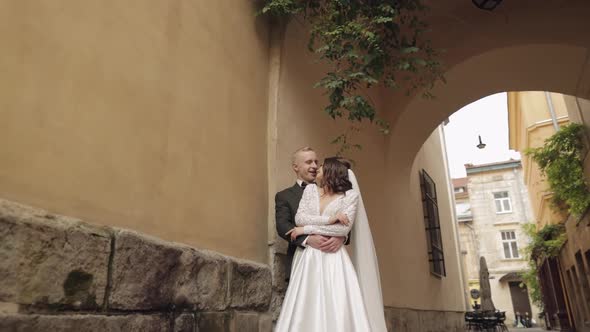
(546, 67)
(511, 48)
(536, 67)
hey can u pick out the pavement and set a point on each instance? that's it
(532, 329)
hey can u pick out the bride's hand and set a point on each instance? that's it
(343, 219)
(295, 232)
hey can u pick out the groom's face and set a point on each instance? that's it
(306, 165)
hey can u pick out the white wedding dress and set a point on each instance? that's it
(325, 294)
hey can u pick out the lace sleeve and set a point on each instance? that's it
(307, 213)
(350, 203)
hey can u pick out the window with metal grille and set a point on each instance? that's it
(432, 224)
(509, 244)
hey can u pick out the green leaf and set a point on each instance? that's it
(408, 50)
(560, 160)
(365, 43)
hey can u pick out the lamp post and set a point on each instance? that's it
(486, 4)
(481, 145)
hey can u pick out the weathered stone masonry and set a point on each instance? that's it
(67, 275)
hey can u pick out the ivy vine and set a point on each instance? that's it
(366, 43)
(561, 160)
(545, 243)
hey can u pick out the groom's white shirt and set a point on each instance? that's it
(304, 243)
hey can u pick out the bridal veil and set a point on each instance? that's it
(364, 259)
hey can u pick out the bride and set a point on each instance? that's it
(329, 291)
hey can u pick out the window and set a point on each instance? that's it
(459, 190)
(432, 224)
(510, 245)
(463, 211)
(502, 202)
(584, 280)
(576, 294)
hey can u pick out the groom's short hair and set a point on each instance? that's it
(303, 149)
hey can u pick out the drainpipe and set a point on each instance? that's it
(552, 111)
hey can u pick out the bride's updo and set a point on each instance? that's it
(335, 175)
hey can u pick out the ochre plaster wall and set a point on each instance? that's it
(148, 115)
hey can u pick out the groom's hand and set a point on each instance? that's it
(333, 244)
(316, 241)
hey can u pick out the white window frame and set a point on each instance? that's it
(510, 243)
(502, 201)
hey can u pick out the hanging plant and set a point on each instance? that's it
(561, 161)
(366, 43)
(546, 243)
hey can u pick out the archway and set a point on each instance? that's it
(546, 67)
(510, 49)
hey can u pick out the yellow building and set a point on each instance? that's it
(533, 117)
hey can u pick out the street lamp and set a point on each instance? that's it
(486, 4)
(481, 145)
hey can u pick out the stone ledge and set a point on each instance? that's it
(214, 321)
(203, 281)
(87, 323)
(150, 274)
(411, 320)
(250, 286)
(52, 263)
(279, 275)
(49, 260)
(184, 322)
(276, 303)
(233, 322)
(143, 271)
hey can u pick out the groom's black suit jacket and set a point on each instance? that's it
(286, 205)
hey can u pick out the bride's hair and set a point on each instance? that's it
(336, 174)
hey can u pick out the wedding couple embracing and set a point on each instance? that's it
(328, 290)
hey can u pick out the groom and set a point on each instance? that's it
(305, 166)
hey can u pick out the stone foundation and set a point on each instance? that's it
(62, 274)
(412, 320)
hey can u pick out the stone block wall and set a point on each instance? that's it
(412, 320)
(60, 274)
(66, 275)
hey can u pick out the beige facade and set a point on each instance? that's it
(533, 117)
(530, 124)
(149, 116)
(468, 239)
(575, 257)
(499, 206)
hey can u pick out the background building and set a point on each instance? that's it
(533, 117)
(492, 205)
(468, 239)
